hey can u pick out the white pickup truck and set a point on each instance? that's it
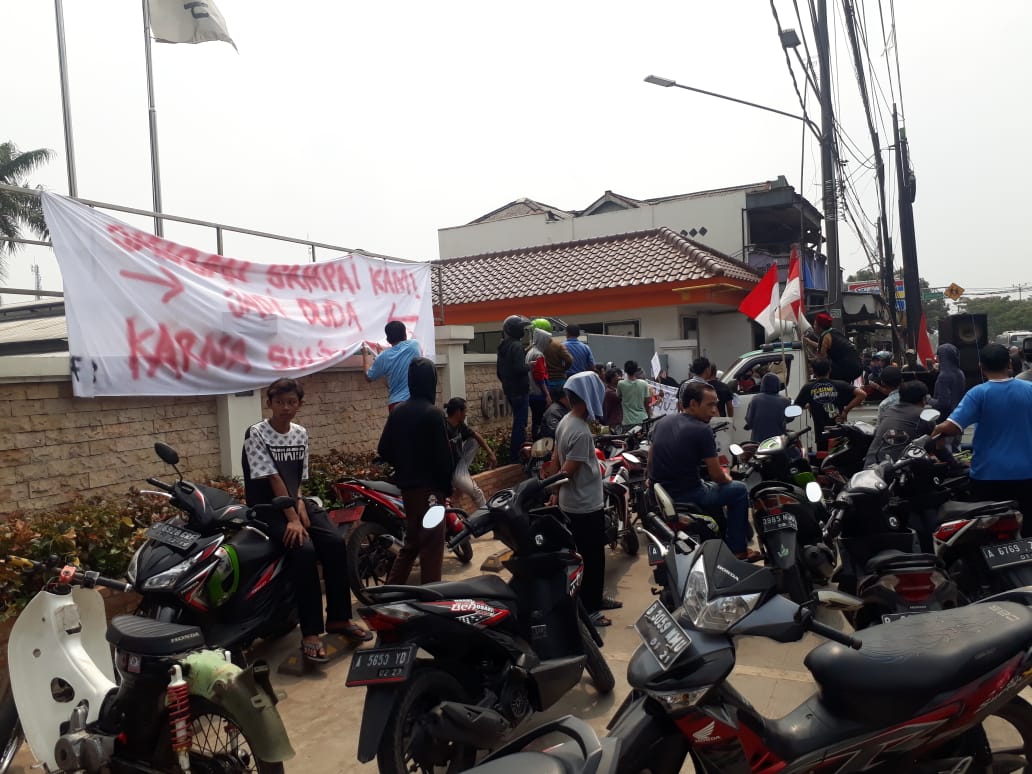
(788, 362)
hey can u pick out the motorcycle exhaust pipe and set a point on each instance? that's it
(468, 724)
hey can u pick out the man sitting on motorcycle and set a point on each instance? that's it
(275, 462)
(680, 444)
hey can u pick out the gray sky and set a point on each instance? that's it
(374, 124)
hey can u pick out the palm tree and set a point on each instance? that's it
(19, 211)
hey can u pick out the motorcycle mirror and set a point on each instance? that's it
(433, 517)
(283, 502)
(167, 454)
(736, 450)
(930, 415)
(896, 438)
(793, 411)
(838, 600)
(813, 492)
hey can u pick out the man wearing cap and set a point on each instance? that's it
(580, 498)
(833, 345)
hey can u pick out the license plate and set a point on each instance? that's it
(655, 555)
(381, 665)
(662, 635)
(777, 521)
(171, 535)
(1000, 555)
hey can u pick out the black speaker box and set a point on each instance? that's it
(968, 333)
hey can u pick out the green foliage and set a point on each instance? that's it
(19, 211)
(498, 440)
(1003, 313)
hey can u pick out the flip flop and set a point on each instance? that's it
(314, 653)
(352, 631)
(598, 619)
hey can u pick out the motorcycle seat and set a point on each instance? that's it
(147, 637)
(522, 762)
(893, 559)
(955, 511)
(902, 665)
(383, 487)
(481, 587)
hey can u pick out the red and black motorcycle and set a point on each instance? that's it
(457, 666)
(374, 516)
(932, 693)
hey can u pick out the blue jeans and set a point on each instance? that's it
(520, 412)
(734, 497)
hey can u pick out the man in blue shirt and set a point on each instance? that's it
(1001, 465)
(394, 363)
(681, 443)
(579, 351)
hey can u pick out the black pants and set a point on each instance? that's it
(427, 544)
(325, 545)
(1019, 490)
(537, 410)
(589, 534)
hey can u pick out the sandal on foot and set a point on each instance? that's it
(314, 653)
(352, 631)
(608, 603)
(598, 619)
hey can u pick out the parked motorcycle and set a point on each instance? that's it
(376, 513)
(495, 652)
(880, 555)
(176, 707)
(913, 696)
(787, 511)
(853, 440)
(534, 455)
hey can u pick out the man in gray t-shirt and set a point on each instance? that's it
(580, 498)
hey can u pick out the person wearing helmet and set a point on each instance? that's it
(540, 398)
(514, 374)
(542, 324)
(580, 498)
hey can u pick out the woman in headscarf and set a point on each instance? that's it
(765, 416)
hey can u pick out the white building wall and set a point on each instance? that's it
(723, 336)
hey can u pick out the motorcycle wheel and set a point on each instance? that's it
(598, 668)
(613, 518)
(11, 735)
(464, 551)
(369, 559)
(1009, 731)
(405, 729)
(219, 742)
(629, 541)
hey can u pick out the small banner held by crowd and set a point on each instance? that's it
(666, 398)
(147, 316)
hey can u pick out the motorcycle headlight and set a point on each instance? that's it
(717, 615)
(168, 579)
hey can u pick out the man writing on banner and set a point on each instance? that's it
(393, 363)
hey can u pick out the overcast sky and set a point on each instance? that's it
(374, 124)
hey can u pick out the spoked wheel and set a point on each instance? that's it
(11, 735)
(1009, 732)
(370, 558)
(219, 745)
(407, 744)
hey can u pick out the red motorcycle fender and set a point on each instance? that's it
(379, 706)
(347, 515)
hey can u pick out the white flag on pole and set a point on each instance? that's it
(181, 21)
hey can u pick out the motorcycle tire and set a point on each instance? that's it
(598, 668)
(464, 551)
(369, 563)
(11, 735)
(629, 541)
(427, 688)
(1008, 755)
(218, 739)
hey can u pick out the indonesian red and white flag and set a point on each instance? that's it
(762, 304)
(175, 21)
(792, 305)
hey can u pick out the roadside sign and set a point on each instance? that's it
(932, 295)
(954, 291)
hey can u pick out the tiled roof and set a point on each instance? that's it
(624, 260)
(522, 207)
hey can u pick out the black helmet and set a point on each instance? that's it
(515, 325)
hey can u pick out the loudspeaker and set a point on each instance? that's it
(968, 333)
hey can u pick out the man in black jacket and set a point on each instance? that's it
(415, 443)
(514, 374)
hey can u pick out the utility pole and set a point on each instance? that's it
(828, 169)
(907, 186)
(1020, 287)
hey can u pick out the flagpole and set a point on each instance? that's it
(152, 114)
(66, 109)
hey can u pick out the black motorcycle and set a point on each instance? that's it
(853, 440)
(495, 652)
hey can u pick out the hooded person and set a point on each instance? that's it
(540, 399)
(765, 417)
(950, 384)
(415, 443)
(580, 498)
(833, 345)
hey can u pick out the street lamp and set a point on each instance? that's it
(667, 83)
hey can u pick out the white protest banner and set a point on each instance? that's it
(666, 398)
(147, 316)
